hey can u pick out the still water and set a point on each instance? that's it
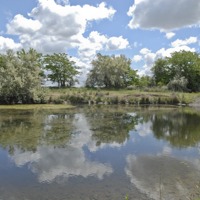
(100, 153)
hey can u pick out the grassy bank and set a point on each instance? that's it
(35, 107)
(125, 96)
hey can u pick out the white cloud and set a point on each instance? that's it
(161, 53)
(97, 13)
(145, 51)
(7, 43)
(164, 15)
(97, 42)
(116, 43)
(170, 35)
(178, 42)
(137, 58)
(89, 46)
(55, 27)
(21, 24)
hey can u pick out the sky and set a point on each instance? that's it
(142, 30)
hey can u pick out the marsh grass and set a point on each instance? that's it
(123, 96)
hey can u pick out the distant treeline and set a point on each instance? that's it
(22, 74)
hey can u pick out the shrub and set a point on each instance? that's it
(178, 84)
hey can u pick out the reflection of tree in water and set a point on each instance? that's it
(111, 125)
(20, 129)
(27, 130)
(59, 129)
(180, 128)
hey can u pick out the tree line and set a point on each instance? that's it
(22, 72)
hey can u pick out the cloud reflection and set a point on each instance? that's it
(50, 163)
(162, 177)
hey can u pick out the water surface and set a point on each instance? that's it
(100, 153)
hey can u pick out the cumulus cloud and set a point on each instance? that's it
(96, 42)
(170, 35)
(8, 43)
(137, 58)
(145, 51)
(21, 24)
(56, 26)
(149, 58)
(164, 15)
(115, 43)
(178, 43)
(161, 53)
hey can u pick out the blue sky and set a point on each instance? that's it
(143, 30)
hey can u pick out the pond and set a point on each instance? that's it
(100, 153)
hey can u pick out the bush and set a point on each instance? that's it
(178, 84)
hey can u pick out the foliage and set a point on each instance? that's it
(62, 69)
(181, 64)
(146, 81)
(178, 84)
(20, 77)
(111, 72)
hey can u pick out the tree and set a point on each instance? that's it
(62, 69)
(111, 72)
(146, 81)
(161, 71)
(183, 64)
(20, 77)
(186, 64)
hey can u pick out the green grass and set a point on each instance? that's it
(35, 106)
(113, 96)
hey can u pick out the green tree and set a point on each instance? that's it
(161, 72)
(62, 69)
(20, 77)
(111, 72)
(146, 81)
(184, 64)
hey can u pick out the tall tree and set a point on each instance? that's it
(111, 72)
(161, 72)
(186, 64)
(20, 77)
(183, 65)
(62, 69)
